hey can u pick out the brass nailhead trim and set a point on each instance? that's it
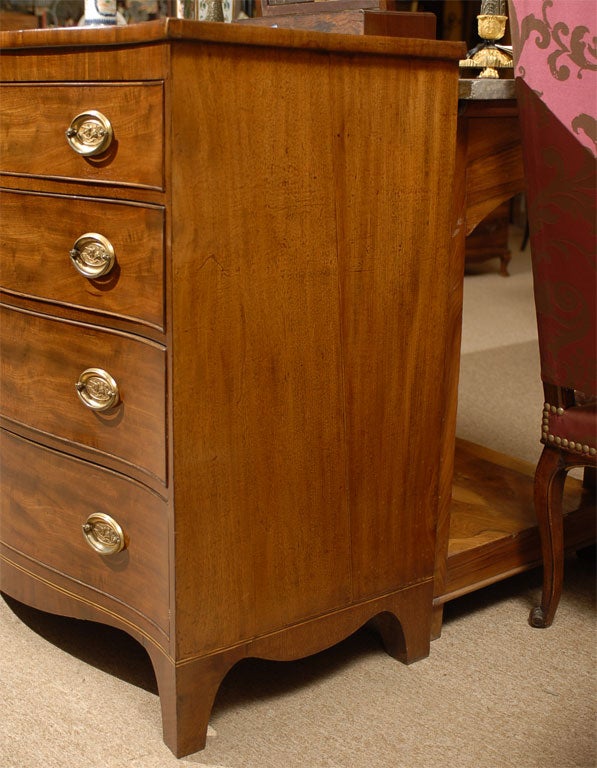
(563, 441)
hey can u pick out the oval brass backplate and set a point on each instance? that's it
(93, 255)
(103, 534)
(90, 133)
(97, 389)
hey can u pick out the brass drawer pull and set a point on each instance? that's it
(89, 133)
(97, 389)
(103, 534)
(92, 255)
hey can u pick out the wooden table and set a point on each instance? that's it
(489, 128)
(493, 529)
(487, 530)
(489, 146)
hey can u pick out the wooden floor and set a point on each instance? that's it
(493, 531)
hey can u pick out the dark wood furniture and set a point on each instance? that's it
(283, 462)
(223, 436)
(493, 526)
(487, 529)
(11, 19)
(307, 7)
(346, 16)
(490, 135)
(489, 239)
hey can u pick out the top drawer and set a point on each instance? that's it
(34, 120)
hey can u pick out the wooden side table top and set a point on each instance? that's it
(488, 119)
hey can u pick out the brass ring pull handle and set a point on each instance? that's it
(89, 133)
(97, 389)
(92, 255)
(103, 534)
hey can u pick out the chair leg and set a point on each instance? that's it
(590, 479)
(550, 476)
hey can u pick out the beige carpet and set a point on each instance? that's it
(494, 693)
(501, 396)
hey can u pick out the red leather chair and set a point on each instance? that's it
(556, 86)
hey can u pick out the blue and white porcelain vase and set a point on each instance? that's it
(100, 13)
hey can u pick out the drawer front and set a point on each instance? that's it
(41, 361)
(46, 500)
(39, 232)
(34, 120)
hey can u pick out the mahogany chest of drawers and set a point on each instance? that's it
(225, 270)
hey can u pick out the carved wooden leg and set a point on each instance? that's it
(589, 484)
(550, 476)
(505, 259)
(408, 638)
(589, 480)
(187, 693)
(437, 621)
(188, 688)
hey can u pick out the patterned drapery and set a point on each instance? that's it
(556, 39)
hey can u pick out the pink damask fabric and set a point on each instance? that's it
(555, 53)
(555, 67)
